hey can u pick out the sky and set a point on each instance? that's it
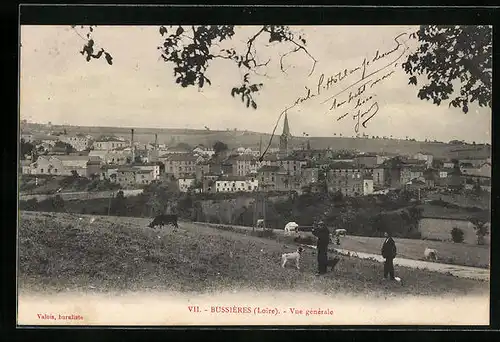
(139, 89)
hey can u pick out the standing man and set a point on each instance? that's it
(388, 253)
(323, 235)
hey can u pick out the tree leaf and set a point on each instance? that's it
(179, 31)
(163, 30)
(108, 57)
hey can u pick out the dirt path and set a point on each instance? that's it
(458, 271)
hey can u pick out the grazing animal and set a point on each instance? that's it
(260, 223)
(291, 227)
(430, 254)
(162, 220)
(340, 232)
(292, 256)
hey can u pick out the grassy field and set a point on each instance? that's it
(116, 253)
(457, 254)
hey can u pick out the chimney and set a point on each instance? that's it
(132, 147)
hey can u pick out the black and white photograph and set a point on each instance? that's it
(177, 175)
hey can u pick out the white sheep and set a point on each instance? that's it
(430, 254)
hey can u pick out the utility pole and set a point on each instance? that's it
(109, 202)
(264, 202)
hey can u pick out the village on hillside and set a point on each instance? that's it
(219, 168)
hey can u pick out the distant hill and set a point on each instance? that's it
(233, 139)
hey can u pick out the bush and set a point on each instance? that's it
(457, 235)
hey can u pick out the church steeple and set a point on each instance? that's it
(286, 129)
(285, 136)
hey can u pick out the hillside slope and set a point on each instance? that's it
(120, 253)
(252, 139)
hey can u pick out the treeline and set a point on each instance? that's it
(366, 216)
(369, 216)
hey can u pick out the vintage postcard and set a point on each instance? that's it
(186, 175)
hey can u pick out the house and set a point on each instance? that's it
(119, 155)
(128, 176)
(346, 178)
(178, 149)
(417, 172)
(268, 160)
(202, 169)
(109, 143)
(367, 185)
(102, 154)
(180, 165)
(109, 172)
(73, 162)
(93, 167)
(27, 137)
(236, 184)
(203, 151)
(144, 176)
(79, 142)
(474, 161)
(273, 178)
(395, 173)
(448, 164)
(391, 173)
(430, 177)
(152, 155)
(209, 182)
(291, 165)
(313, 154)
(243, 165)
(186, 183)
(368, 160)
(154, 168)
(309, 175)
(483, 170)
(49, 165)
(480, 176)
(25, 167)
(428, 158)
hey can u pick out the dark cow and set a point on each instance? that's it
(162, 220)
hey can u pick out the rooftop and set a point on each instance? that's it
(109, 139)
(67, 157)
(268, 168)
(343, 165)
(232, 178)
(179, 157)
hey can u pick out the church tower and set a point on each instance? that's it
(285, 137)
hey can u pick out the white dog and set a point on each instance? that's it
(430, 254)
(292, 256)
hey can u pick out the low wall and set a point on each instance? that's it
(83, 195)
(440, 229)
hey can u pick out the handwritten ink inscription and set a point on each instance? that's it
(354, 87)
